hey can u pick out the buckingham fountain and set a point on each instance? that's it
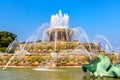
(68, 46)
(60, 37)
(56, 44)
(60, 45)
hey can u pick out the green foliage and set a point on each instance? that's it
(5, 39)
(38, 41)
(2, 49)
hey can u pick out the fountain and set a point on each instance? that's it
(56, 44)
(59, 43)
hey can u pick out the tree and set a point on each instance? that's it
(38, 41)
(5, 39)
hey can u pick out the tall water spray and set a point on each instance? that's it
(59, 20)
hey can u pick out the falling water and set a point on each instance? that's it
(55, 40)
(80, 35)
(20, 53)
(39, 31)
(33, 38)
(104, 41)
(12, 45)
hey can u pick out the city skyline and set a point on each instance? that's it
(23, 17)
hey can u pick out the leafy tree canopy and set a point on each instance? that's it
(6, 38)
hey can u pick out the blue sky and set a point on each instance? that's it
(23, 17)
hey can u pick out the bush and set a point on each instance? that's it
(3, 49)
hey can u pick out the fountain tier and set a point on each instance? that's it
(63, 33)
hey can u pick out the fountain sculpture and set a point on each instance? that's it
(102, 67)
